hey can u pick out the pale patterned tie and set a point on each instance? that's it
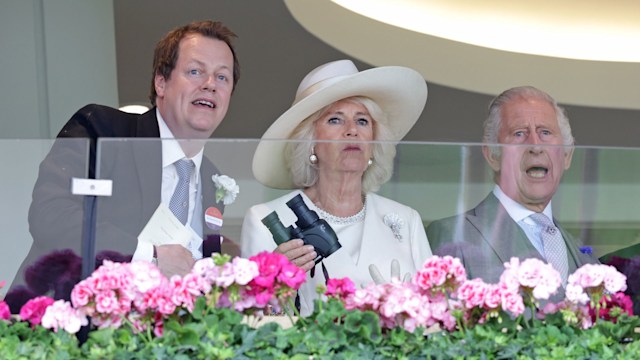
(555, 250)
(179, 204)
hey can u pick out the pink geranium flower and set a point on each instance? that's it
(269, 265)
(34, 309)
(81, 294)
(575, 293)
(513, 303)
(145, 276)
(277, 276)
(573, 313)
(440, 273)
(493, 297)
(292, 276)
(612, 306)
(138, 295)
(60, 315)
(590, 282)
(533, 277)
(244, 270)
(340, 288)
(5, 312)
(472, 293)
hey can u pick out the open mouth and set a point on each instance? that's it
(537, 172)
(206, 103)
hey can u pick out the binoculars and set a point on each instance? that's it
(311, 229)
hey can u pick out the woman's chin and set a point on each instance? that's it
(358, 168)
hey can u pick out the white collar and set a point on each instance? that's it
(516, 210)
(171, 150)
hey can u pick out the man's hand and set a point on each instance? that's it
(395, 273)
(298, 253)
(174, 260)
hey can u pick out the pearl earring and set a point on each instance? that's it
(370, 162)
(313, 159)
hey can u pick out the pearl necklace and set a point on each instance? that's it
(339, 220)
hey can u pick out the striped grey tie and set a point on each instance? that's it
(555, 250)
(179, 204)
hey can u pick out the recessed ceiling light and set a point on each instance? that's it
(135, 109)
(600, 31)
(381, 32)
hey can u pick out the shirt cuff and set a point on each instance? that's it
(144, 252)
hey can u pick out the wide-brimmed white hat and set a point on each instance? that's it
(399, 91)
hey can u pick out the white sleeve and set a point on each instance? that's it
(255, 237)
(144, 251)
(420, 247)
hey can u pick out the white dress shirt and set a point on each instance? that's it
(520, 215)
(172, 152)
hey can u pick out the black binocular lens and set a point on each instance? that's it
(280, 233)
(310, 228)
(305, 216)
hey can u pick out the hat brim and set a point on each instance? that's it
(399, 91)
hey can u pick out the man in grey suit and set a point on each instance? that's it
(537, 147)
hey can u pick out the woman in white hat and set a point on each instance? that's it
(345, 124)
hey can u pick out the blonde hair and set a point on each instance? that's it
(304, 174)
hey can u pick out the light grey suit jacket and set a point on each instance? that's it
(486, 237)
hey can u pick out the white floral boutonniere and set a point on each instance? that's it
(394, 221)
(227, 189)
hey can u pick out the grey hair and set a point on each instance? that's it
(494, 120)
(304, 174)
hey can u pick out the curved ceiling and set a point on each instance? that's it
(463, 44)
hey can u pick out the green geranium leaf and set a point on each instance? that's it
(364, 324)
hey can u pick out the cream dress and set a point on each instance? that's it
(364, 237)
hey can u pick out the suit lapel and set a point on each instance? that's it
(575, 257)
(499, 230)
(147, 125)
(211, 238)
(148, 160)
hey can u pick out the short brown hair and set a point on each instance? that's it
(166, 54)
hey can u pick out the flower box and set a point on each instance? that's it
(216, 311)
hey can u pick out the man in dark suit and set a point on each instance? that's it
(195, 72)
(538, 147)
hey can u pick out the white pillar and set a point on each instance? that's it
(55, 57)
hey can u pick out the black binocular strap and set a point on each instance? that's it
(313, 273)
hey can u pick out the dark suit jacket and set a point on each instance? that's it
(135, 166)
(486, 237)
